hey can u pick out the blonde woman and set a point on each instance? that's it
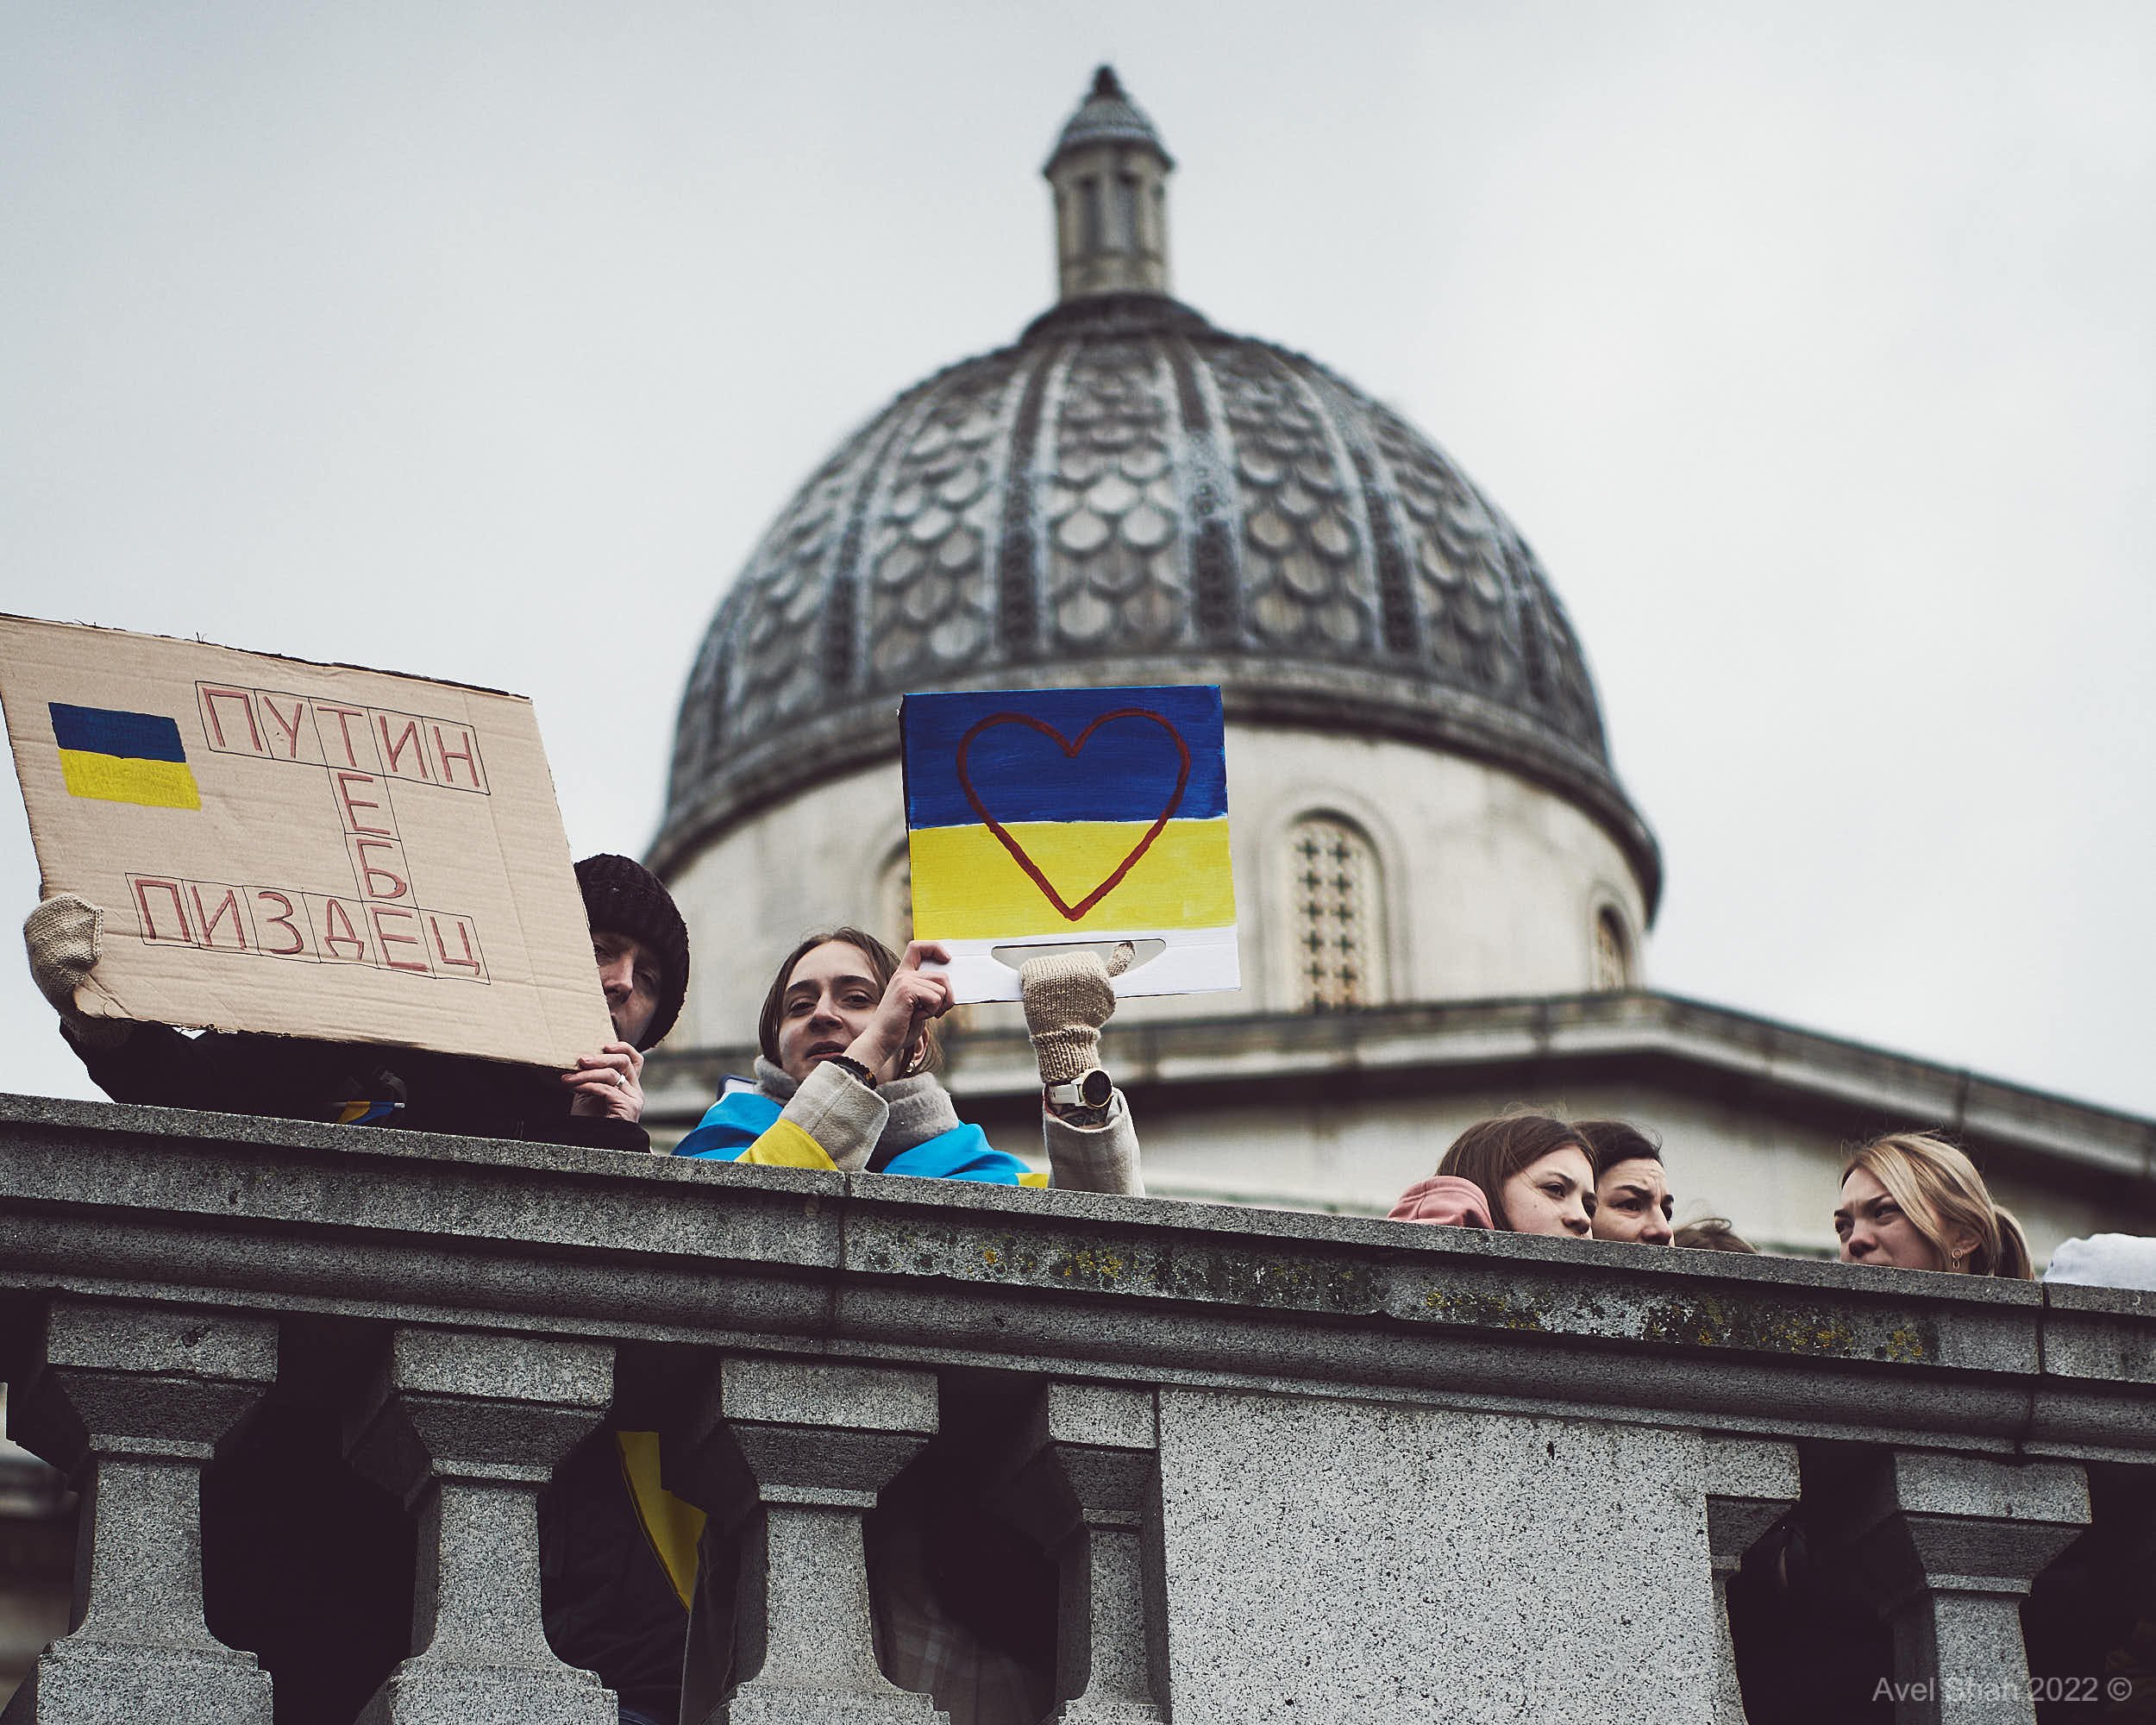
(1916, 1203)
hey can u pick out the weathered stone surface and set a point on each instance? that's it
(1332, 1560)
(1347, 1406)
(1749, 1485)
(791, 1455)
(1945, 1549)
(77, 1684)
(831, 1396)
(1083, 1483)
(129, 1400)
(2099, 1364)
(478, 1235)
(469, 1426)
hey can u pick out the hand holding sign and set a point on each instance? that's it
(1055, 818)
(912, 999)
(314, 851)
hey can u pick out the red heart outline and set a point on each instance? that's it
(1070, 912)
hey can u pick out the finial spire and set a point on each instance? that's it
(1110, 171)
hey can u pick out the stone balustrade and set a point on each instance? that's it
(1286, 1467)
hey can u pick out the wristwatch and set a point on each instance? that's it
(1092, 1090)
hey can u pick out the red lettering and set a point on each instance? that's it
(466, 957)
(144, 885)
(283, 919)
(469, 755)
(207, 920)
(344, 716)
(338, 933)
(352, 804)
(211, 695)
(382, 915)
(289, 726)
(394, 748)
(378, 880)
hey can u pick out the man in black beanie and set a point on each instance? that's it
(638, 941)
(304, 1565)
(628, 905)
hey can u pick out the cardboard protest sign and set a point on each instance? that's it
(307, 849)
(1047, 818)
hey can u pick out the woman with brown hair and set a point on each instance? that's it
(1526, 1174)
(847, 1057)
(845, 1079)
(1631, 1188)
(1913, 1201)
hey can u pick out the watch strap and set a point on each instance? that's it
(846, 1064)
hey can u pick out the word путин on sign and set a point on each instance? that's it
(359, 750)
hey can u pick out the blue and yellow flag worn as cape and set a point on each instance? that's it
(744, 1126)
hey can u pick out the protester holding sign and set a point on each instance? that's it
(846, 1076)
(845, 1080)
(318, 1550)
(310, 852)
(638, 938)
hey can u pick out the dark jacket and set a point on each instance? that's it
(296, 1079)
(609, 1603)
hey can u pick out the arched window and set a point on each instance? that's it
(1612, 952)
(1339, 938)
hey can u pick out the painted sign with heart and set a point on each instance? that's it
(1056, 818)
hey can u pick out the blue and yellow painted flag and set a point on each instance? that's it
(123, 758)
(1047, 811)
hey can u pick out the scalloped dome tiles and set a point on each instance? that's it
(1127, 494)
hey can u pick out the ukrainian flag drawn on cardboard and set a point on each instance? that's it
(1061, 817)
(302, 849)
(123, 758)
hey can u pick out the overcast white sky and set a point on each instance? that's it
(1813, 345)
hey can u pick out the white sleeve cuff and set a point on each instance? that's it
(840, 1112)
(1102, 1158)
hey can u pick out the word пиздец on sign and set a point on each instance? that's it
(302, 849)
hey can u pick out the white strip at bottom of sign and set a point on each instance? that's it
(1178, 961)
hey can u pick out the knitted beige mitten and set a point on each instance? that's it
(1067, 997)
(62, 937)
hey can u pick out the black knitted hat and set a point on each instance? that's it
(621, 896)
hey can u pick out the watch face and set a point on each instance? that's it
(1095, 1088)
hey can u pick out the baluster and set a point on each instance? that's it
(131, 1401)
(1750, 1482)
(792, 1455)
(1080, 1486)
(1944, 1547)
(469, 1426)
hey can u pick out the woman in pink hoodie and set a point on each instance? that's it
(1526, 1174)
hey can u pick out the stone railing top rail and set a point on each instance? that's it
(272, 1216)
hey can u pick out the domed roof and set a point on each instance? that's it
(1128, 495)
